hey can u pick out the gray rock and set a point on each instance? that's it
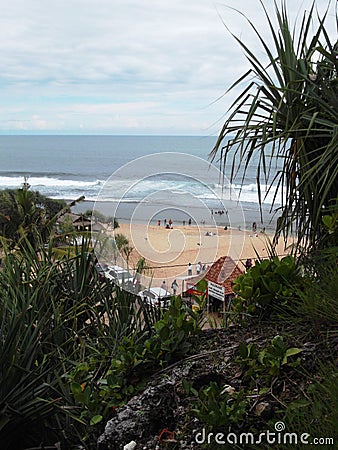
(142, 417)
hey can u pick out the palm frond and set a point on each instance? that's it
(288, 113)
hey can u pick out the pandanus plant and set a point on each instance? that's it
(288, 112)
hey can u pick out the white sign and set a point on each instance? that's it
(215, 290)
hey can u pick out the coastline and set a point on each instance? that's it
(241, 215)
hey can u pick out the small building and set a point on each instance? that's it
(81, 223)
(220, 278)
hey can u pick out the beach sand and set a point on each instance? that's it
(168, 251)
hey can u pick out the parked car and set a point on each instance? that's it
(120, 276)
(156, 296)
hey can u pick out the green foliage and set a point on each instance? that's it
(288, 111)
(316, 300)
(66, 226)
(268, 361)
(108, 220)
(267, 287)
(29, 357)
(217, 406)
(26, 215)
(175, 327)
(60, 334)
(107, 382)
(98, 216)
(317, 412)
(123, 246)
(330, 222)
(169, 339)
(97, 392)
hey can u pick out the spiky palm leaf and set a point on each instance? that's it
(289, 113)
(54, 314)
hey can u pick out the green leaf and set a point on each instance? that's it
(76, 388)
(290, 352)
(186, 384)
(86, 395)
(243, 350)
(95, 419)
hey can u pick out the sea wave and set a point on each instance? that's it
(46, 182)
(142, 190)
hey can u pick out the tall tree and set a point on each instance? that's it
(27, 215)
(288, 111)
(123, 245)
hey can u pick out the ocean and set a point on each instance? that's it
(140, 178)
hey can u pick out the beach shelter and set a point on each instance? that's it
(220, 278)
(81, 223)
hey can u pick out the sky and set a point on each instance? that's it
(124, 66)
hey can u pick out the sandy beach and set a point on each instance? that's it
(168, 251)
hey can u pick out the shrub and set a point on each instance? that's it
(266, 287)
(59, 325)
(267, 361)
(217, 406)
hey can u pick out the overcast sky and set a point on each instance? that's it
(122, 66)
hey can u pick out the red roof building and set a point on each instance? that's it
(221, 277)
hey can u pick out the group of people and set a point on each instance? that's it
(254, 228)
(220, 212)
(189, 222)
(174, 286)
(168, 224)
(199, 268)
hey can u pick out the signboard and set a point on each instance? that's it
(215, 290)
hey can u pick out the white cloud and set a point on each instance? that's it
(144, 64)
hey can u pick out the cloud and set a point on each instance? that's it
(148, 64)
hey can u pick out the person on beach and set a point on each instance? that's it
(189, 270)
(164, 285)
(248, 263)
(159, 223)
(170, 223)
(189, 221)
(198, 268)
(254, 227)
(174, 287)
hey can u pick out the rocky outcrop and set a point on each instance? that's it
(159, 407)
(161, 416)
(143, 417)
